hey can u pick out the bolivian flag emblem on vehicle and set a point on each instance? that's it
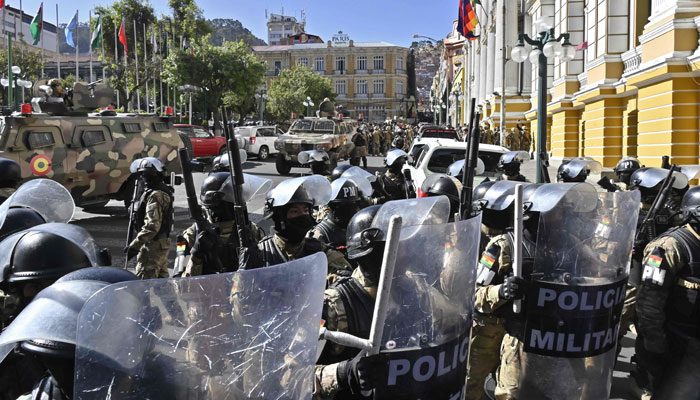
(40, 165)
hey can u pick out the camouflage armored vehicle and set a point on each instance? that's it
(88, 152)
(317, 142)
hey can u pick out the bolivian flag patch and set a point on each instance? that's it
(181, 247)
(654, 272)
(606, 221)
(654, 261)
(487, 260)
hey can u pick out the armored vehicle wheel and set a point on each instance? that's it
(282, 166)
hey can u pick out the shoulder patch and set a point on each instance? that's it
(655, 267)
(489, 258)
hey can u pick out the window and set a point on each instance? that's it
(132, 127)
(303, 61)
(378, 86)
(266, 132)
(160, 127)
(362, 63)
(399, 87)
(201, 133)
(361, 86)
(340, 63)
(278, 67)
(399, 62)
(324, 125)
(91, 138)
(40, 139)
(378, 62)
(319, 64)
(340, 87)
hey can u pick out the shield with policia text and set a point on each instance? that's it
(243, 335)
(576, 291)
(425, 342)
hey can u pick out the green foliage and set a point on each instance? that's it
(68, 81)
(289, 90)
(30, 62)
(229, 73)
(189, 20)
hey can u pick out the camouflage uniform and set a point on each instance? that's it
(10, 304)
(667, 314)
(488, 330)
(525, 140)
(512, 141)
(335, 319)
(5, 193)
(153, 239)
(376, 142)
(227, 233)
(386, 143)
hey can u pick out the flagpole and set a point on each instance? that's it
(126, 66)
(102, 53)
(92, 78)
(145, 54)
(136, 59)
(41, 34)
(21, 29)
(154, 46)
(58, 50)
(77, 42)
(116, 55)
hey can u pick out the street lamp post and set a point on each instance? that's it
(456, 97)
(189, 89)
(13, 84)
(308, 103)
(262, 97)
(441, 106)
(546, 45)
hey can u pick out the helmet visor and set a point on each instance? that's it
(146, 162)
(317, 187)
(393, 155)
(46, 197)
(578, 197)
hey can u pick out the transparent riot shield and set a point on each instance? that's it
(254, 188)
(46, 197)
(242, 335)
(359, 173)
(363, 186)
(456, 169)
(316, 186)
(425, 339)
(414, 212)
(576, 292)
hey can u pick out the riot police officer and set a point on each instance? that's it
(215, 196)
(360, 143)
(443, 185)
(624, 170)
(345, 201)
(577, 170)
(494, 270)
(509, 166)
(153, 219)
(10, 175)
(290, 205)
(392, 184)
(667, 306)
(338, 171)
(336, 373)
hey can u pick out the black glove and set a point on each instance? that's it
(512, 288)
(130, 252)
(205, 242)
(357, 375)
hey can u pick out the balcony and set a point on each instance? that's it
(632, 59)
(320, 72)
(340, 72)
(361, 72)
(361, 95)
(341, 96)
(377, 71)
(400, 71)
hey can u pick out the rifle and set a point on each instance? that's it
(130, 228)
(196, 213)
(659, 201)
(470, 167)
(240, 208)
(607, 184)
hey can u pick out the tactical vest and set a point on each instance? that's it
(166, 225)
(683, 305)
(333, 235)
(272, 255)
(395, 190)
(227, 252)
(359, 309)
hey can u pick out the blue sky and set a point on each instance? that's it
(393, 21)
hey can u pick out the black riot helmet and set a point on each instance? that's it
(310, 191)
(361, 237)
(150, 168)
(443, 185)
(71, 291)
(19, 219)
(625, 168)
(690, 207)
(479, 193)
(45, 256)
(395, 159)
(338, 171)
(509, 163)
(213, 197)
(10, 173)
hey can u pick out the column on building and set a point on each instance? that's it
(667, 117)
(568, 17)
(483, 55)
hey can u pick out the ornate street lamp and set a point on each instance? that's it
(308, 103)
(262, 97)
(545, 46)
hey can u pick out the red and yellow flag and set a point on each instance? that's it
(467, 20)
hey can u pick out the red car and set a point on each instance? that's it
(204, 143)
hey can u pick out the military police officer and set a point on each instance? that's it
(346, 199)
(392, 184)
(624, 170)
(153, 219)
(509, 164)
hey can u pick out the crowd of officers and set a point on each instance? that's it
(663, 303)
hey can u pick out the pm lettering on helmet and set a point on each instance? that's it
(573, 321)
(349, 191)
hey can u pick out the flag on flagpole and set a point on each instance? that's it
(467, 20)
(96, 38)
(37, 25)
(122, 39)
(69, 30)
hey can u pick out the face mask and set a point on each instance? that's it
(371, 264)
(296, 228)
(343, 215)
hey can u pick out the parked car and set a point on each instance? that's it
(438, 132)
(204, 143)
(259, 140)
(436, 155)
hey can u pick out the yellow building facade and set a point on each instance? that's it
(633, 88)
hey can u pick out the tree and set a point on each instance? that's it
(30, 63)
(289, 90)
(189, 21)
(230, 73)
